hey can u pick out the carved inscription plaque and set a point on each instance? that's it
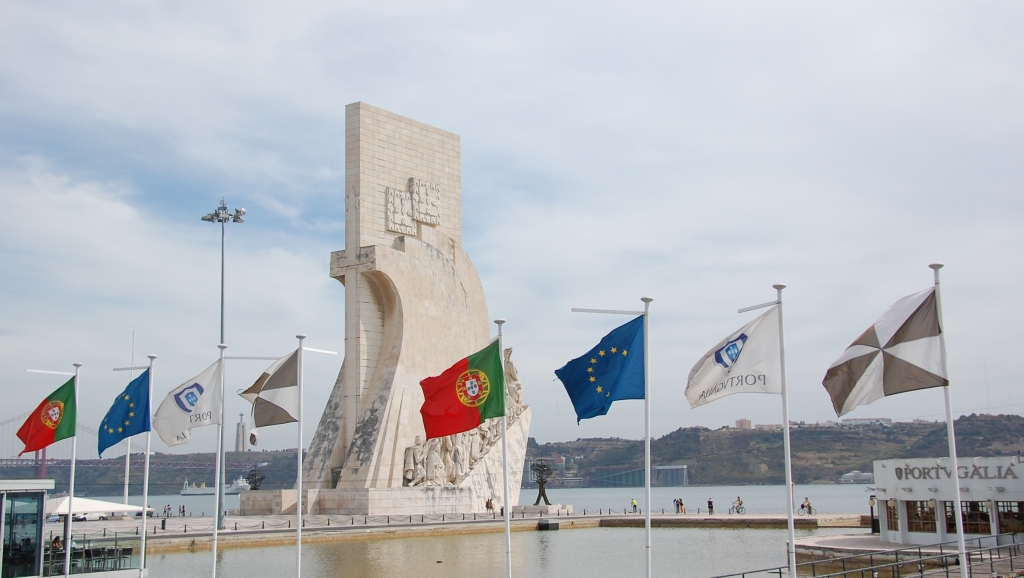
(420, 202)
(399, 212)
(426, 201)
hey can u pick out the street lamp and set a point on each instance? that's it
(222, 215)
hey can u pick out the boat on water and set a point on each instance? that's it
(240, 484)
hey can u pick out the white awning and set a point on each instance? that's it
(87, 506)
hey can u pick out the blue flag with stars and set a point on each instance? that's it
(611, 371)
(129, 415)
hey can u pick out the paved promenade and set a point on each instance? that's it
(190, 532)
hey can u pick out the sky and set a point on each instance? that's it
(694, 152)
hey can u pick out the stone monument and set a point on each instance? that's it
(414, 305)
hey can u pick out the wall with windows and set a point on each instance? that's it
(921, 498)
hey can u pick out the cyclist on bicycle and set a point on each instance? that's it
(738, 503)
(806, 505)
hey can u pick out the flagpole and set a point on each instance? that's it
(504, 464)
(950, 436)
(128, 440)
(647, 429)
(69, 538)
(791, 544)
(298, 470)
(145, 474)
(217, 481)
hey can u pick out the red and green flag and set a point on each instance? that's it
(465, 395)
(52, 421)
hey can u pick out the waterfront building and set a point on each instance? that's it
(743, 424)
(22, 526)
(917, 504)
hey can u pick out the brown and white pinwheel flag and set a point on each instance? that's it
(275, 395)
(903, 351)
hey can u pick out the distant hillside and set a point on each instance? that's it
(820, 454)
(168, 472)
(714, 457)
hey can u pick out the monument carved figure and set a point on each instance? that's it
(414, 305)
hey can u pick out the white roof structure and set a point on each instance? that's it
(87, 506)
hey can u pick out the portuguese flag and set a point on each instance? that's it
(464, 395)
(52, 421)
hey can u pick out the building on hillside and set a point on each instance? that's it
(769, 426)
(917, 501)
(241, 435)
(855, 421)
(743, 424)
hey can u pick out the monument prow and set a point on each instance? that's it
(414, 304)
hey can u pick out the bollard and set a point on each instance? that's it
(104, 532)
(289, 523)
(236, 525)
(163, 524)
(328, 522)
(184, 529)
(389, 518)
(264, 526)
(421, 518)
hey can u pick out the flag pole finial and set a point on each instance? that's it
(647, 299)
(300, 336)
(779, 286)
(499, 321)
(151, 356)
(221, 346)
(936, 266)
(76, 364)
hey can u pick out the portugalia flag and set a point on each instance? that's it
(465, 395)
(51, 421)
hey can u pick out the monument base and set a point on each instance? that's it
(543, 510)
(483, 482)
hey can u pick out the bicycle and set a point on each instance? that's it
(737, 510)
(806, 511)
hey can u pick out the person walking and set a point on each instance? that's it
(633, 503)
(711, 507)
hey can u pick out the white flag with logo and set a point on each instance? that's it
(747, 361)
(194, 403)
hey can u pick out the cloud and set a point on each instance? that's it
(697, 153)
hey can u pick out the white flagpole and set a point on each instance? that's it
(504, 464)
(791, 548)
(128, 440)
(647, 413)
(71, 483)
(647, 429)
(298, 471)
(220, 451)
(957, 509)
(145, 474)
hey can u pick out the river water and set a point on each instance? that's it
(619, 552)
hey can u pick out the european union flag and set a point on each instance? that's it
(129, 415)
(611, 371)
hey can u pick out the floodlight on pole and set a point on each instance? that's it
(222, 215)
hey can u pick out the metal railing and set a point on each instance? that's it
(937, 560)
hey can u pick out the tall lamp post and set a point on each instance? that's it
(222, 215)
